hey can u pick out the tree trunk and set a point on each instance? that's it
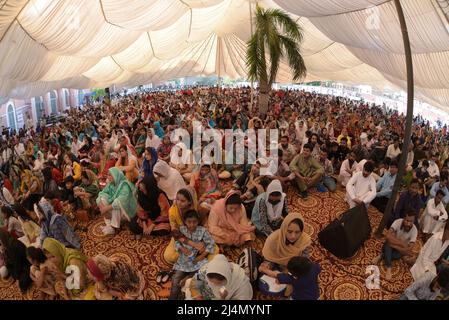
(409, 119)
(264, 97)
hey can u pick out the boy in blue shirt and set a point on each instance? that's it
(303, 277)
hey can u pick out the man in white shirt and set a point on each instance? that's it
(6, 154)
(427, 287)
(433, 170)
(29, 123)
(393, 150)
(399, 242)
(431, 252)
(19, 148)
(76, 145)
(361, 188)
(348, 167)
(434, 217)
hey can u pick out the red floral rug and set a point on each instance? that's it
(339, 279)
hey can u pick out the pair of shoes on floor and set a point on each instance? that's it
(163, 277)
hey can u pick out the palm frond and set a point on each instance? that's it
(294, 57)
(276, 35)
(288, 25)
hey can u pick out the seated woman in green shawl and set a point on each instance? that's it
(64, 258)
(117, 201)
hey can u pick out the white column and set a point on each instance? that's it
(33, 111)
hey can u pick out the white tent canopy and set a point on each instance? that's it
(51, 44)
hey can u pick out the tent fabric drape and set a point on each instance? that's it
(80, 44)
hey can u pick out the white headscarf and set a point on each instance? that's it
(301, 132)
(39, 162)
(184, 159)
(153, 142)
(274, 212)
(170, 180)
(237, 282)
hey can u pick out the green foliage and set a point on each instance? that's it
(99, 93)
(277, 36)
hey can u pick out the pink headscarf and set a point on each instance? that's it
(231, 220)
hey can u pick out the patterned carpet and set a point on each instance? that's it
(339, 279)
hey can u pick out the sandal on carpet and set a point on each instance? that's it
(159, 276)
(166, 276)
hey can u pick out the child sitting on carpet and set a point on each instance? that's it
(12, 224)
(47, 277)
(302, 276)
(190, 259)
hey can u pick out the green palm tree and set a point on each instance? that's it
(276, 36)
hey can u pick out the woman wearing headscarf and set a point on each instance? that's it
(91, 131)
(165, 148)
(30, 188)
(140, 138)
(181, 158)
(117, 201)
(50, 184)
(287, 242)
(14, 260)
(185, 200)
(54, 225)
(158, 129)
(85, 147)
(219, 280)
(270, 209)
(125, 141)
(152, 140)
(149, 161)
(39, 162)
(30, 229)
(114, 279)
(152, 210)
(207, 187)
(95, 153)
(128, 164)
(30, 148)
(168, 179)
(6, 191)
(107, 161)
(301, 129)
(64, 257)
(228, 223)
(72, 167)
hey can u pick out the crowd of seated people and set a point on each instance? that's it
(123, 163)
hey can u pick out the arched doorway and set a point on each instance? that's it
(11, 117)
(53, 103)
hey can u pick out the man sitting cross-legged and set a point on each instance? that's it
(308, 170)
(399, 241)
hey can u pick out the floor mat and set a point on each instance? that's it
(339, 279)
